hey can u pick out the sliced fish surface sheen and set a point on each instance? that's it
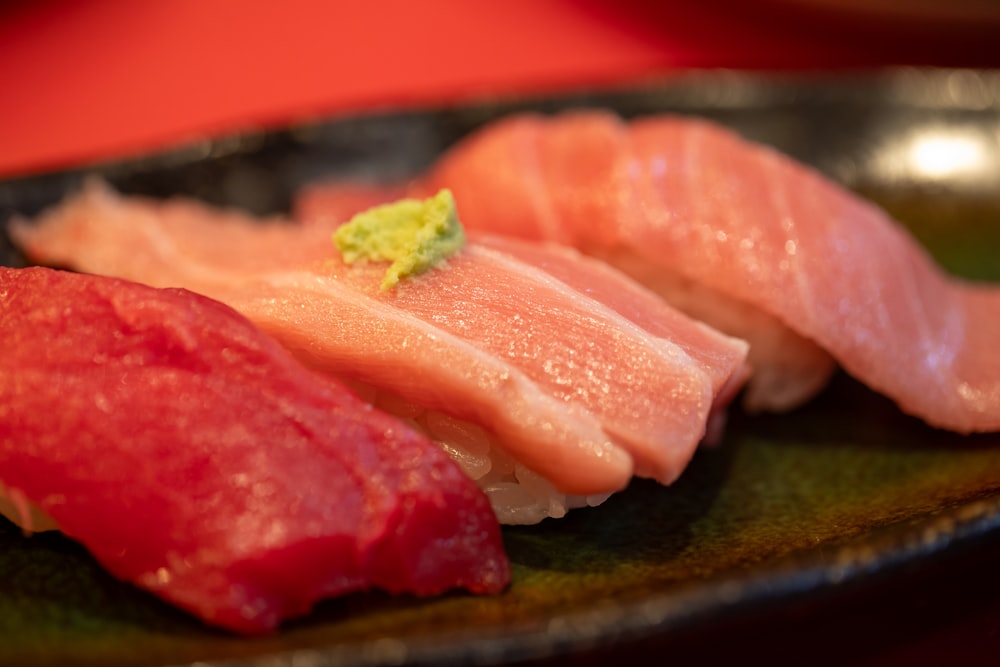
(194, 457)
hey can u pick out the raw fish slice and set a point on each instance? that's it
(648, 395)
(717, 354)
(566, 382)
(723, 358)
(830, 265)
(690, 208)
(195, 458)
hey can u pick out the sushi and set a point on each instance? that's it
(741, 237)
(551, 398)
(195, 458)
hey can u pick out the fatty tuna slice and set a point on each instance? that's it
(740, 236)
(196, 458)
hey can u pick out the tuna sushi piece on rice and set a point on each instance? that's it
(195, 458)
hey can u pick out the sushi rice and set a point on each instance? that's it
(519, 496)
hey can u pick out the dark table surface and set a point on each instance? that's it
(944, 611)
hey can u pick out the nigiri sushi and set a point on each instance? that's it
(197, 459)
(550, 398)
(741, 237)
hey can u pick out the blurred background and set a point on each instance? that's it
(95, 79)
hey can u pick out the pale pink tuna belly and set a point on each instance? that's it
(580, 406)
(721, 356)
(649, 396)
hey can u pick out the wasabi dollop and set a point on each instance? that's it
(415, 235)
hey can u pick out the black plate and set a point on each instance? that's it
(843, 493)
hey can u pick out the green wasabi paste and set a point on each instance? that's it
(414, 235)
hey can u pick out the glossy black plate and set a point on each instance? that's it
(842, 493)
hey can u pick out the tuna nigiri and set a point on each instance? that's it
(742, 237)
(196, 458)
(550, 397)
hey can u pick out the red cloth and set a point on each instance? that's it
(98, 79)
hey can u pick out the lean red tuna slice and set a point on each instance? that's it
(574, 390)
(740, 236)
(196, 458)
